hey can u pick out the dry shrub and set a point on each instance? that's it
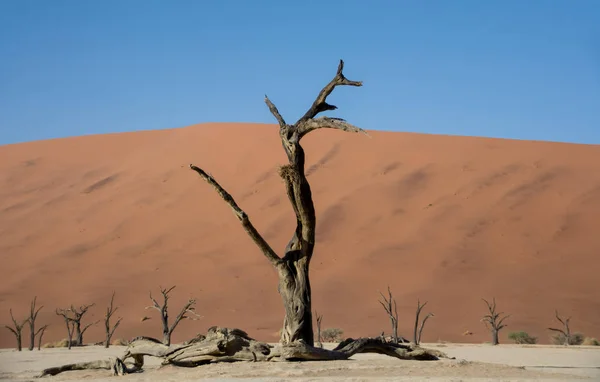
(522, 338)
(119, 342)
(575, 339)
(332, 334)
(589, 341)
(64, 343)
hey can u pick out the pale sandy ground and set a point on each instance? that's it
(484, 363)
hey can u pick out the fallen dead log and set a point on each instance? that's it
(234, 345)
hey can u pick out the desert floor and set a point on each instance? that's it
(473, 363)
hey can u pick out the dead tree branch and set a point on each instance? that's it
(419, 331)
(17, 330)
(231, 345)
(494, 320)
(319, 321)
(242, 216)
(33, 312)
(566, 332)
(320, 104)
(40, 334)
(110, 310)
(389, 304)
(187, 310)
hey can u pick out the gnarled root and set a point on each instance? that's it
(234, 345)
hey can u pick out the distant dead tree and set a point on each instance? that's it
(566, 331)
(33, 312)
(17, 330)
(419, 331)
(319, 321)
(163, 309)
(73, 317)
(389, 304)
(77, 316)
(110, 310)
(494, 321)
(40, 334)
(69, 323)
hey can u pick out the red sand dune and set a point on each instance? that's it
(444, 219)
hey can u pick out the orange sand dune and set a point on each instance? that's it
(444, 219)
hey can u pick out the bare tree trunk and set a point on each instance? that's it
(419, 332)
(495, 340)
(389, 304)
(110, 310)
(17, 330)
(294, 288)
(40, 334)
(319, 321)
(32, 317)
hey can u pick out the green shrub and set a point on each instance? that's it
(522, 338)
(589, 341)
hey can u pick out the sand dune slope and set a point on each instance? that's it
(444, 219)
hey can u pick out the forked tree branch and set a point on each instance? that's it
(320, 104)
(274, 111)
(307, 126)
(188, 308)
(567, 329)
(242, 216)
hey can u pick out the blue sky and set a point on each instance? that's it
(512, 69)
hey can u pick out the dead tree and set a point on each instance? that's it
(40, 334)
(77, 315)
(17, 330)
(69, 323)
(419, 331)
(494, 321)
(297, 337)
(389, 304)
(319, 320)
(33, 312)
(110, 310)
(163, 309)
(566, 331)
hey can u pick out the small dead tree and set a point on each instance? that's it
(110, 310)
(69, 323)
(77, 315)
(17, 330)
(494, 320)
(33, 312)
(566, 331)
(163, 309)
(389, 304)
(419, 331)
(40, 334)
(319, 321)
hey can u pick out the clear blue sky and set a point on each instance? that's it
(527, 69)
